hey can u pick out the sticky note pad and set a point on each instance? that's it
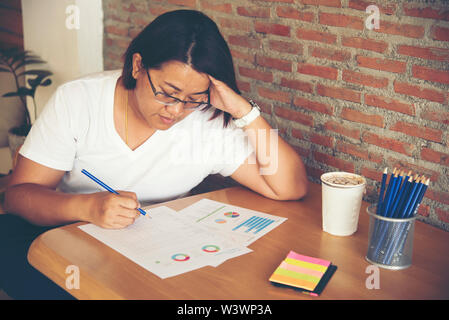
(303, 272)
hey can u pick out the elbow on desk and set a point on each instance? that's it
(297, 193)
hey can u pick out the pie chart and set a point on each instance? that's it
(180, 257)
(210, 248)
(232, 214)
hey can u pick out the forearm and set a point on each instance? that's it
(280, 166)
(43, 206)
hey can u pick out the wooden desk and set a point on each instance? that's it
(105, 274)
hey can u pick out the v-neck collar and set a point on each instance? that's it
(113, 131)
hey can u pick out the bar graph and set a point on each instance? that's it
(254, 224)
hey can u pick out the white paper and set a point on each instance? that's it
(240, 225)
(166, 245)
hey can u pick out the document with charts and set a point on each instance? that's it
(241, 225)
(166, 245)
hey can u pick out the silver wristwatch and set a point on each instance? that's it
(250, 117)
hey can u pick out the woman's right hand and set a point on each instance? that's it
(113, 211)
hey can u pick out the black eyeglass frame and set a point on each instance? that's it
(156, 93)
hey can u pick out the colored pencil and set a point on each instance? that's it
(382, 190)
(108, 188)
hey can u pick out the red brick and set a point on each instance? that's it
(284, 46)
(121, 43)
(220, 7)
(423, 210)
(381, 64)
(436, 114)
(286, 1)
(364, 79)
(357, 116)
(274, 63)
(440, 33)
(333, 161)
(327, 3)
(388, 143)
(339, 93)
(405, 30)
(443, 215)
(243, 86)
(359, 152)
(341, 20)
(372, 174)
(297, 85)
(244, 41)
(237, 24)
(435, 156)
(430, 74)
(291, 13)
(186, 3)
(255, 12)
(313, 105)
(299, 134)
(314, 172)
(325, 37)
(266, 107)
(242, 56)
(342, 129)
(277, 95)
(389, 104)
(366, 44)
(294, 116)
(428, 53)
(387, 9)
(417, 131)
(442, 197)
(319, 71)
(272, 28)
(330, 54)
(417, 91)
(157, 10)
(322, 140)
(406, 166)
(301, 151)
(116, 30)
(256, 74)
(426, 12)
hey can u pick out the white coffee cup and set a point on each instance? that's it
(341, 202)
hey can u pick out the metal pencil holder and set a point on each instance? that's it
(390, 241)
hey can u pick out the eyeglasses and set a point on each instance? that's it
(168, 100)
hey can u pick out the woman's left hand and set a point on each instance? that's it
(224, 98)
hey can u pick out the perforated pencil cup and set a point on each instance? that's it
(390, 240)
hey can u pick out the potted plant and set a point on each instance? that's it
(14, 61)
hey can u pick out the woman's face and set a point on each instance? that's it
(174, 78)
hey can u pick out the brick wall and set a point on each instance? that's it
(345, 97)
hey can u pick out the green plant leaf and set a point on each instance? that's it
(11, 94)
(27, 62)
(46, 83)
(35, 72)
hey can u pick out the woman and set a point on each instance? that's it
(135, 132)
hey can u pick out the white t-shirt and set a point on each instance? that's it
(76, 131)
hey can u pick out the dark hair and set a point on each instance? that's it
(186, 36)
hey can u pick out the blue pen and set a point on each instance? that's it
(104, 185)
